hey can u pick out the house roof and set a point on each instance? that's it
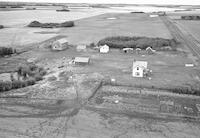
(138, 49)
(127, 48)
(104, 46)
(82, 59)
(63, 40)
(142, 64)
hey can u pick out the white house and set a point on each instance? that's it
(139, 68)
(81, 48)
(60, 44)
(104, 49)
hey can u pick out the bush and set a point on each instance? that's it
(1, 26)
(51, 25)
(67, 24)
(136, 42)
(38, 77)
(5, 86)
(16, 84)
(190, 17)
(31, 81)
(6, 51)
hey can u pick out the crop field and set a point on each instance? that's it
(191, 27)
(16, 33)
(115, 24)
(68, 102)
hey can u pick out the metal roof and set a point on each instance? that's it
(63, 40)
(81, 47)
(142, 64)
(82, 59)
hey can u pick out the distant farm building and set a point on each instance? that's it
(104, 49)
(138, 50)
(153, 15)
(60, 44)
(149, 50)
(81, 60)
(139, 68)
(81, 48)
(112, 18)
(127, 50)
(161, 13)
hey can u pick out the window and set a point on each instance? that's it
(137, 74)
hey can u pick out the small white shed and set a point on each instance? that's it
(153, 15)
(81, 60)
(139, 68)
(60, 44)
(104, 49)
(81, 48)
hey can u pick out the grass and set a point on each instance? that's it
(192, 27)
(129, 24)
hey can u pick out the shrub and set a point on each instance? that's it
(38, 77)
(31, 81)
(1, 26)
(51, 25)
(92, 45)
(67, 24)
(5, 86)
(6, 51)
(16, 84)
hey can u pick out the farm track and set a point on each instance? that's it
(182, 36)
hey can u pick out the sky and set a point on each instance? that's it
(174, 2)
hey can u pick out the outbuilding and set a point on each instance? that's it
(104, 49)
(127, 50)
(81, 48)
(138, 50)
(81, 60)
(139, 68)
(149, 50)
(60, 44)
(153, 15)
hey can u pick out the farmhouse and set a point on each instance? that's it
(81, 48)
(104, 49)
(60, 44)
(139, 68)
(81, 60)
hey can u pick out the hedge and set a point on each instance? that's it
(51, 25)
(137, 42)
(9, 85)
(6, 51)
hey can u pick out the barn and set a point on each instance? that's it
(60, 44)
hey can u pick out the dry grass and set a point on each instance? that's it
(127, 24)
